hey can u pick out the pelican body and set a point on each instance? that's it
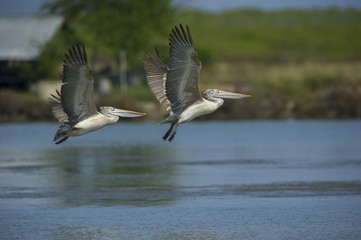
(74, 105)
(176, 85)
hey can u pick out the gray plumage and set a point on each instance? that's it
(74, 105)
(176, 86)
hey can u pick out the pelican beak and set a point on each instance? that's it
(127, 113)
(231, 95)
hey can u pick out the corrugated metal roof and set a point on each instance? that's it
(22, 37)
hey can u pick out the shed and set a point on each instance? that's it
(21, 39)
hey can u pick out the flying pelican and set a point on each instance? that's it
(176, 86)
(74, 105)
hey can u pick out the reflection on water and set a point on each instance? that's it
(114, 174)
(137, 167)
(92, 174)
(217, 180)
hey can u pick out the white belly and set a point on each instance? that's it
(90, 124)
(193, 111)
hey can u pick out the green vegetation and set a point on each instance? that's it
(309, 89)
(105, 27)
(289, 35)
(295, 63)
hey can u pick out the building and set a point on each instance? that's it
(21, 39)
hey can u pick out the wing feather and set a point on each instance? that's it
(57, 108)
(181, 86)
(156, 77)
(77, 96)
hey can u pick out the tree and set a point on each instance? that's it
(108, 26)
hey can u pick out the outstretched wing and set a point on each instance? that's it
(57, 108)
(156, 77)
(184, 69)
(77, 96)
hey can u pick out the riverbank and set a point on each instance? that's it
(304, 90)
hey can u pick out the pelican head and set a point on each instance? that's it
(115, 113)
(214, 94)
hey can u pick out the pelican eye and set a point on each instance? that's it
(112, 109)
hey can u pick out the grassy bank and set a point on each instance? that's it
(288, 90)
(289, 35)
(20, 106)
(16, 106)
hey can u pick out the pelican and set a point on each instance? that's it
(74, 105)
(176, 86)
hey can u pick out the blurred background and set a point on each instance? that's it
(298, 59)
(264, 179)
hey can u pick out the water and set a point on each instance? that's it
(217, 180)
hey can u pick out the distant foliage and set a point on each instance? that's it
(295, 63)
(288, 35)
(106, 27)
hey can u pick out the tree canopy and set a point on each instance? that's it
(108, 26)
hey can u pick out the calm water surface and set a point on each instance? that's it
(216, 180)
